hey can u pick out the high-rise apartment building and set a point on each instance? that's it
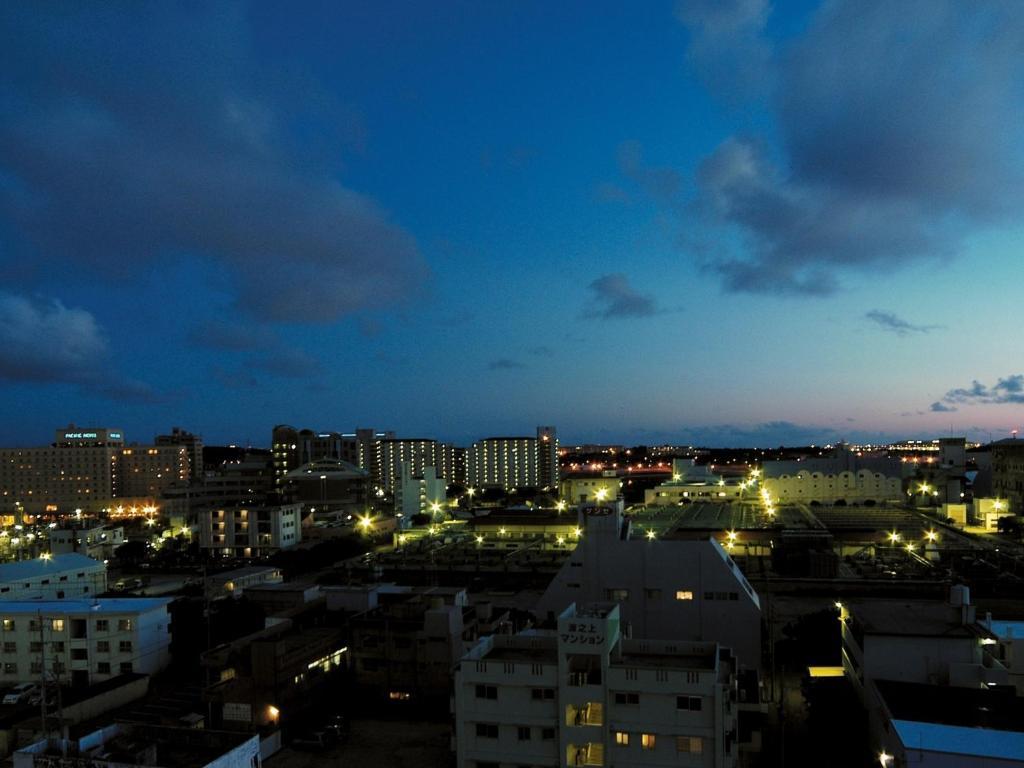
(193, 444)
(515, 462)
(293, 448)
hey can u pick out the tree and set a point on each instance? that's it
(133, 552)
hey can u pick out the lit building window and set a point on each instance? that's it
(647, 740)
(684, 594)
(622, 738)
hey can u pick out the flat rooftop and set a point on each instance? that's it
(101, 605)
(970, 708)
(37, 567)
(914, 618)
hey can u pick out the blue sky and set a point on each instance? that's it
(718, 222)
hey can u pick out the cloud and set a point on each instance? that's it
(41, 340)
(727, 46)
(155, 133)
(541, 351)
(286, 362)
(896, 324)
(895, 142)
(770, 434)
(229, 336)
(940, 407)
(44, 342)
(614, 297)
(504, 364)
(1006, 390)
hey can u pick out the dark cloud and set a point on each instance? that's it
(287, 362)
(614, 297)
(727, 46)
(940, 407)
(44, 342)
(896, 324)
(229, 336)
(504, 364)
(154, 134)
(897, 141)
(660, 182)
(1006, 390)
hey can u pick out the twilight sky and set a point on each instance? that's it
(714, 222)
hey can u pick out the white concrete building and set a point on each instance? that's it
(422, 494)
(844, 476)
(95, 540)
(251, 531)
(57, 577)
(83, 641)
(587, 695)
(685, 589)
(514, 462)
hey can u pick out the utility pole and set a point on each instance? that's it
(42, 673)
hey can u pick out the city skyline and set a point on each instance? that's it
(644, 225)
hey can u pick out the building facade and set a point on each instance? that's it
(251, 531)
(83, 641)
(1008, 473)
(57, 577)
(584, 695)
(515, 462)
(425, 493)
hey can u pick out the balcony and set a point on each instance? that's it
(591, 713)
(590, 753)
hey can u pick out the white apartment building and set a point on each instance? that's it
(684, 589)
(56, 577)
(95, 540)
(585, 695)
(515, 462)
(83, 641)
(251, 531)
(419, 494)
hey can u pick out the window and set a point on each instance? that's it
(57, 625)
(8, 625)
(35, 646)
(124, 625)
(692, 744)
(125, 646)
(692, 677)
(102, 646)
(627, 698)
(102, 625)
(487, 692)
(547, 734)
(36, 668)
(524, 733)
(542, 694)
(684, 594)
(690, 703)
(486, 730)
(652, 594)
(57, 647)
(617, 595)
(79, 654)
(10, 647)
(10, 668)
(622, 738)
(103, 668)
(647, 740)
(126, 667)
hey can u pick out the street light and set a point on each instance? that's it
(651, 535)
(931, 535)
(894, 537)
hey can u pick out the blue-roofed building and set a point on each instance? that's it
(83, 641)
(53, 577)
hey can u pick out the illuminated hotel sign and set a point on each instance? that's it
(114, 435)
(81, 435)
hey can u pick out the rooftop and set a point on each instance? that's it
(102, 605)
(913, 618)
(982, 710)
(958, 740)
(32, 569)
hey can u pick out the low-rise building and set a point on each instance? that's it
(844, 476)
(422, 494)
(83, 641)
(96, 540)
(251, 531)
(580, 487)
(54, 577)
(585, 695)
(127, 745)
(235, 583)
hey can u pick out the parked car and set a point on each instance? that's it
(21, 694)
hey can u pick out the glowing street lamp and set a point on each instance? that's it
(577, 532)
(651, 535)
(931, 535)
(910, 547)
(601, 494)
(560, 506)
(479, 540)
(366, 523)
(894, 537)
(46, 556)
